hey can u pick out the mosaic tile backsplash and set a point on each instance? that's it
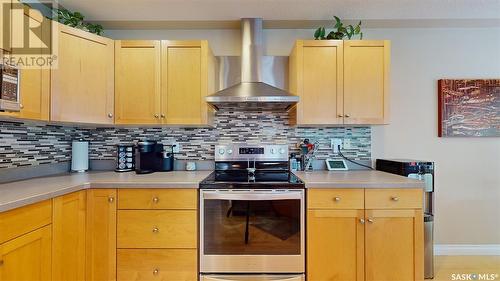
(24, 144)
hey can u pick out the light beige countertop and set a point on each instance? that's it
(356, 179)
(21, 193)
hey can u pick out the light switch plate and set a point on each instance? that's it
(347, 144)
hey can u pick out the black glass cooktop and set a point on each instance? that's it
(259, 180)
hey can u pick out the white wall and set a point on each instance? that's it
(468, 169)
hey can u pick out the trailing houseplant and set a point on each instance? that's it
(340, 31)
(75, 19)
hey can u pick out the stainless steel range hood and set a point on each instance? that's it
(252, 93)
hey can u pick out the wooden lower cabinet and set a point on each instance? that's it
(68, 227)
(335, 245)
(370, 245)
(394, 245)
(157, 229)
(157, 264)
(27, 257)
(101, 234)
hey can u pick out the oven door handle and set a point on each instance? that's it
(252, 195)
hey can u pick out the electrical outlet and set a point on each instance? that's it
(347, 144)
(335, 143)
(176, 148)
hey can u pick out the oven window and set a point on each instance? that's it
(236, 227)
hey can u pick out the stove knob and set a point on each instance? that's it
(272, 150)
(230, 151)
(282, 151)
(221, 151)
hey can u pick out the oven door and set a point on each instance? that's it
(252, 231)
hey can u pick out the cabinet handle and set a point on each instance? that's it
(162, 116)
(111, 199)
(21, 105)
(156, 200)
(340, 115)
(337, 199)
(362, 221)
(157, 116)
(395, 198)
(347, 115)
(156, 229)
(156, 271)
(110, 115)
(370, 220)
(1, 262)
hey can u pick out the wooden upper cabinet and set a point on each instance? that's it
(101, 234)
(35, 81)
(68, 230)
(394, 246)
(340, 82)
(83, 82)
(27, 257)
(188, 76)
(366, 81)
(4, 43)
(137, 78)
(316, 69)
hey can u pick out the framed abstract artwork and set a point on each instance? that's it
(469, 108)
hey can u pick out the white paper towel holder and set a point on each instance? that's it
(79, 156)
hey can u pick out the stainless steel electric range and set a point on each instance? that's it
(252, 213)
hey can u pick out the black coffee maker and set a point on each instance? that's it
(150, 157)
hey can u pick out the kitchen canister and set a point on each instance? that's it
(79, 156)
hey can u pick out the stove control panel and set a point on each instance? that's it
(243, 152)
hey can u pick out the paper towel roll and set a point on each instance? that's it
(80, 156)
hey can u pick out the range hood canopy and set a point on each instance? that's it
(252, 93)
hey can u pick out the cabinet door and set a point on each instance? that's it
(335, 241)
(137, 77)
(394, 245)
(68, 255)
(366, 81)
(83, 82)
(319, 82)
(5, 5)
(27, 257)
(101, 234)
(186, 68)
(35, 82)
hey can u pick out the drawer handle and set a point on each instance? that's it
(156, 271)
(156, 200)
(395, 198)
(111, 199)
(362, 221)
(156, 229)
(337, 199)
(370, 220)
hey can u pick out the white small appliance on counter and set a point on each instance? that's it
(80, 156)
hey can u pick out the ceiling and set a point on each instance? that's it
(109, 11)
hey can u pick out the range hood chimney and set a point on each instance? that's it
(252, 93)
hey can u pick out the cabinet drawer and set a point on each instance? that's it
(393, 199)
(157, 229)
(335, 199)
(157, 199)
(157, 264)
(22, 220)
